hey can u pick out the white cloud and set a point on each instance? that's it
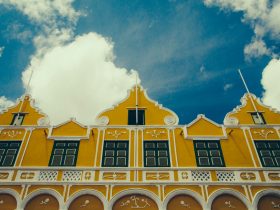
(1, 51)
(4, 103)
(262, 15)
(270, 83)
(78, 79)
(255, 49)
(17, 31)
(228, 86)
(44, 11)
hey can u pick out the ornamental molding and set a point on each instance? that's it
(116, 134)
(263, 133)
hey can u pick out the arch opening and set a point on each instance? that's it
(135, 201)
(86, 202)
(7, 201)
(227, 201)
(269, 202)
(42, 202)
(182, 202)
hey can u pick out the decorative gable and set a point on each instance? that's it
(149, 111)
(243, 114)
(70, 129)
(23, 113)
(202, 127)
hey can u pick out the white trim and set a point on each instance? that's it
(175, 146)
(25, 148)
(93, 192)
(262, 193)
(188, 192)
(139, 191)
(49, 191)
(12, 193)
(229, 191)
(255, 149)
(248, 145)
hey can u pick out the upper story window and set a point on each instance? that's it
(269, 153)
(64, 153)
(136, 117)
(18, 119)
(209, 153)
(8, 152)
(258, 118)
(115, 154)
(156, 154)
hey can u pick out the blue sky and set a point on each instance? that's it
(186, 53)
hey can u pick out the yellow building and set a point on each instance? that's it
(138, 156)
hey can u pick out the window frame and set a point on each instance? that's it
(115, 153)
(273, 156)
(15, 116)
(3, 157)
(258, 114)
(156, 151)
(209, 156)
(64, 154)
(133, 122)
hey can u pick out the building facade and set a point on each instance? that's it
(138, 156)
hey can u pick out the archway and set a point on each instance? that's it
(135, 201)
(7, 201)
(86, 202)
(182, 202)
(227, 201)
(42, 202)
(269, 202)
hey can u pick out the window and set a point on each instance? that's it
(132, 117)
(64, 153)
(8, 152)
(115, 154)
(18, 119)
(209, 153)
(156, 154)
(269, 153)
(258, 118)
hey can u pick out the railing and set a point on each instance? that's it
(139, 175)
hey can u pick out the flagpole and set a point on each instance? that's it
(136, 101)
(250, 96)
(27, 90)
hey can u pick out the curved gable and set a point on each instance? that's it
(154, 113)
(242, 114)
(25, 107)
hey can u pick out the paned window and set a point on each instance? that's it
(64, 153)
(115, 154)
(18, 119)
(8, 152)
(269, 153)
(140, 117)
(156, 154)
(209, 154)
(258, 118)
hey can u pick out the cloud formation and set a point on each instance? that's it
(79, 79)
(270, 83)
(44, 11)
(72, 76)
(262, 15)
(4, 103)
